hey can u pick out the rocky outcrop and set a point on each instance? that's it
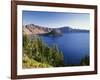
(34, 29)
(54, 33)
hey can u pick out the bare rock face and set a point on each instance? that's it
(34, 29)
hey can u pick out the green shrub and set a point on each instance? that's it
(31, 63)
(85, 61)
(39, 51)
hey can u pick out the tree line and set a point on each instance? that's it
(35, 50)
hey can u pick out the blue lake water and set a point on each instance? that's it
(73, 45)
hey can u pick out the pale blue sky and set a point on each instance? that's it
(57, 19)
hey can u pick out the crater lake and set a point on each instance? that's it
(73, 45)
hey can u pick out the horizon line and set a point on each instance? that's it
(72, 27)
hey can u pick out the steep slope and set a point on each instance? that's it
(34, 29)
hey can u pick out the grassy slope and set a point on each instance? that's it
(31, 63)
